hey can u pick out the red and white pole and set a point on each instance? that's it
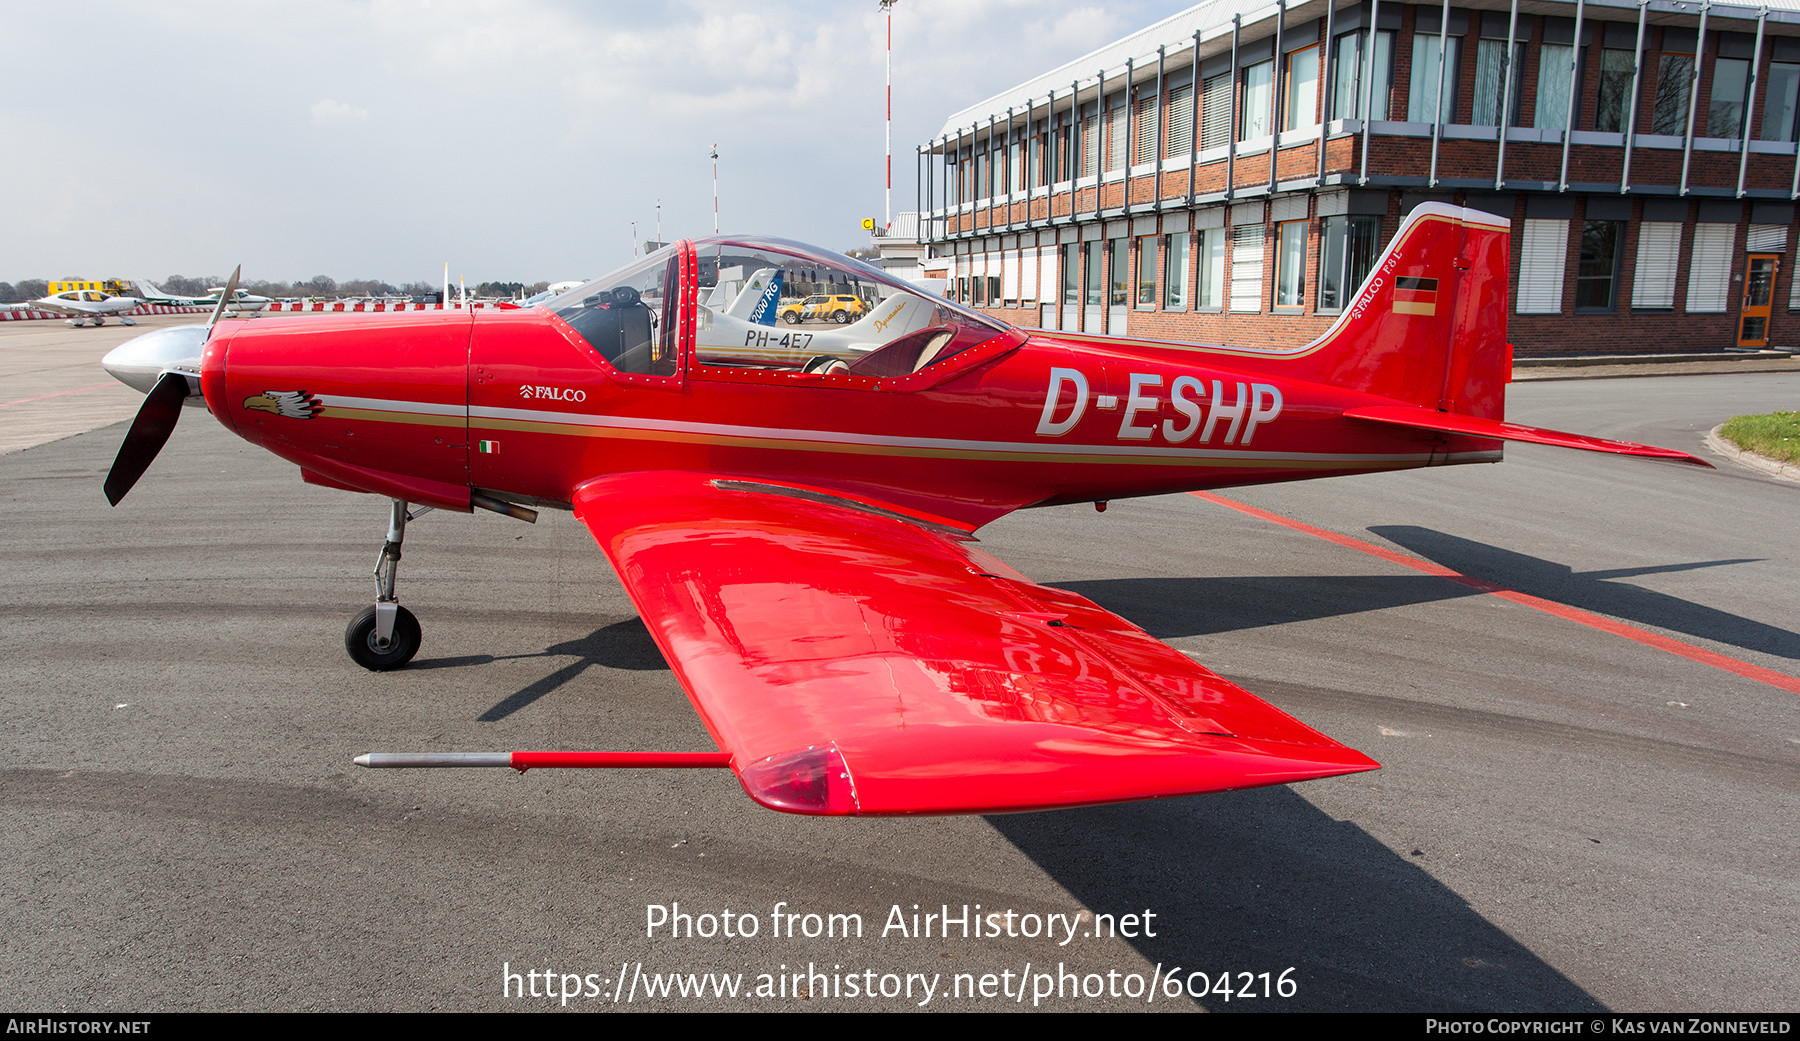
(888, 198)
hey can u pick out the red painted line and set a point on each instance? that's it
(1550, 607)
(60, 393)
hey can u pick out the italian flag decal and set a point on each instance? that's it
(488, 447)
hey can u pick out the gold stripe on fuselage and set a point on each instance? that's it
(1027, 456)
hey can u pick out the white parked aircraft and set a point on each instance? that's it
(84, 306)
(240, 300)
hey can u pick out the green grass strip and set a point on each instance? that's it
(1776, 435)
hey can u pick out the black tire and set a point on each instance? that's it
(793, 317)
(840, 317)
(359, 640)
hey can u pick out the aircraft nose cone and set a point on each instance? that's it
(140, 361)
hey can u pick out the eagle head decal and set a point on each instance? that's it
(294, 404)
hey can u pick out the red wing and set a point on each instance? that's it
(852, 660)
(1451, 423)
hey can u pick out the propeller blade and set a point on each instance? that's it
(219, 309)
(149, 432)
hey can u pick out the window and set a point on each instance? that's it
(1096, 276)
(1422, 98)
(1302, 89)
(1346, 255)
(1090, 146)
(1008, 263)
(1034, 160)
(1658, 258)
(1259, 95)
(623, 316)
(1146, 273)
(1598, 267)
(1731, 81)
(1175, 271)
(1209, 288)
(1615, 91)
(1290, 264)
(1350, 86)
(1117, 127)
(1143, 131)
(1709, 269)
(1781, 102)
(1181, 122)
(1543, 261)
(1071, 274)
(1247, 268)
(1674, 85)
(769, 313)
(1766, 238)
(1118, 255)
(1490, 82)
(1015, 172)
(1553, 86)
(1215, 112)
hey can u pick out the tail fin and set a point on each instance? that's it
(1428, 326)
(757, 301)
(1428, 329)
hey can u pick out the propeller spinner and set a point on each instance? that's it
(165, 364)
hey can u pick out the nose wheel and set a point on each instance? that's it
(366, 646)
(386, 636)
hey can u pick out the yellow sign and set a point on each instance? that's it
(112, 286)
(868, 224)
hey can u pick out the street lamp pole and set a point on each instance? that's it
(715, 159)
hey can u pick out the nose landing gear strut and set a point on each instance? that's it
(386, 636)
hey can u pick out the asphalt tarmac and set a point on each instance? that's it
(1568, 818)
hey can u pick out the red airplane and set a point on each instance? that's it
(792, 508)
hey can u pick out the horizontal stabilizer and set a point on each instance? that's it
(1451, 423)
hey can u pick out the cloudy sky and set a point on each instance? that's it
(517, 140)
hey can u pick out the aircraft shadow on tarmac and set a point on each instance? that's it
(1257, 881)
(1170, 608)
(1592, 590)
(621, 645)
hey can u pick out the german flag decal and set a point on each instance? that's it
(1415, 295)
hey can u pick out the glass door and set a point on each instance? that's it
(1759, 294)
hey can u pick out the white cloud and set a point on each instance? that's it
(546, 126)
(326, 110)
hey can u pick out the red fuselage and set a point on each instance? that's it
(427, 406)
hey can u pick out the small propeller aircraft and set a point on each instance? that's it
(240, 301)
(86, 307)
(793, 509)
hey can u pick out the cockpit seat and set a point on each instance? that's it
(619, 326)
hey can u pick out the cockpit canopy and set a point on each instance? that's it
(770, 305)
